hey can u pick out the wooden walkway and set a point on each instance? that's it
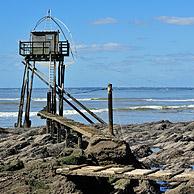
(126, 172)
(85, 130)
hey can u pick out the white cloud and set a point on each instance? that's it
(137, 22)
(176, 20)
(110, 46)
(104, 21)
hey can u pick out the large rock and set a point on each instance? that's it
(107, 150)
(43, 139)
(141, 151)
(184, 188)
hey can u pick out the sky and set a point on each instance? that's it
(129, 43)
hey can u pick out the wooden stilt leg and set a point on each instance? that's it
(26, 118)
(58, 133)
(110, 109)
(67, 137)
(79, 135)
(28, 100)
(48, 122)
(61, 86)
(20, 111)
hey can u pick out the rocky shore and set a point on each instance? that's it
(29, 158)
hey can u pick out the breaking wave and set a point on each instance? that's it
(9, 99)
(44, 99)
(66, 112)
(157, 107)
(105, 99)
(144, 99)
(169, 100)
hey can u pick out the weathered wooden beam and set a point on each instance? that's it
(22, 96)
(75, 126)
(110, 109)
(58, 133)
(164, 174)
(38, 74)
(84, 107)
(48, 122)
(125, 169)
(61, 69)
(103, 168)
(41, 77)
(141, 174)
(26, 117)
(79, 140)
(28, 98)
(67, 130)
(185, 176)
(70, 168)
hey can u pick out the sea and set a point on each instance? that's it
(130, 105)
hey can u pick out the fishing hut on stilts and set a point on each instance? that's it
(47, 46)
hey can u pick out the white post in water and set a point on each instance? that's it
(110, 109)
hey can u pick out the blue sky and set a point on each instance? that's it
(131, 43)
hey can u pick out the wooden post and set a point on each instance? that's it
(58, 133)
(61, 70)
(48, 122)
(110, 109)
(28, 98)
(20, 112)
(26, 118)
(67, 137)
(79, 136)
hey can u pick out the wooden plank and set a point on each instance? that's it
(92, 168)
(185, 176)
(103, 168)
(138, 173)
(75, 167)
(69, 168)
(125, 169)
(111, 170)
(62, 170)
(128, 173)
(88, 170)
(165, 174)
(78, 127)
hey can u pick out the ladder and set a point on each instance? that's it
(51, 73)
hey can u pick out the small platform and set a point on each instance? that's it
(85, 130)
(126, 172)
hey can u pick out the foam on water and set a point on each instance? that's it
(44, 99)
(157, 107)
(9, 99)
(169, 100)
(33, 114)
(130, 105)
(15, 114)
